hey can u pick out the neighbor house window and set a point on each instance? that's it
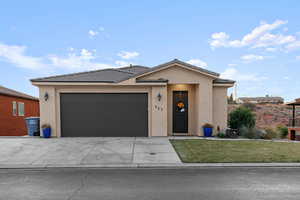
(21, 109)
(14, 105)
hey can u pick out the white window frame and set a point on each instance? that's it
(14, 108)
(20, 109)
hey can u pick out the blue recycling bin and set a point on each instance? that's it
(33, 126)
(47, 132)
(207, 131)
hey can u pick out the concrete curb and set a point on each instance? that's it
(153, 165)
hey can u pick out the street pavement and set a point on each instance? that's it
(145, 184)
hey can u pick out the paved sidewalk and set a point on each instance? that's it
(84, 152)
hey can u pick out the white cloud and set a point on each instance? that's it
(298, 57)
(252, 57)
(232, 65)
(197, 62)
(273, 40)
(93, 33)
(293, 46)
(232, 73)
(128, 55)
(16, 55)
(271, 49)
(82, 61)
(259, 37)
(219, 39)
(98, 32)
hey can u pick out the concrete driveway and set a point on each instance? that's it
(99, 151)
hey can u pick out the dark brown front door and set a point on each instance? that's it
(180, 112)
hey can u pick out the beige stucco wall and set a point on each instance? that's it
(220, 107)
(48, 108)
(200, 94)
(207, 103)
(178, 75)
(157, 110)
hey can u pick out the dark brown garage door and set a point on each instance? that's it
(104, 115)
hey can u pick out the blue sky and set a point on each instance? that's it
(256, 43)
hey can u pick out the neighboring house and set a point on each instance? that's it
(174, 98)
(14, 108)
(261, 100)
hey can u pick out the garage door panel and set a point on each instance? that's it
(104, 115)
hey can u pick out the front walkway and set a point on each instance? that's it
(64, 152)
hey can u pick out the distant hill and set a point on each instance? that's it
(270, 115)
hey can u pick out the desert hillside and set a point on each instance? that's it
(270, 115)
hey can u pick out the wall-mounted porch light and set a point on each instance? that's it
(159, 96)
(46, 96)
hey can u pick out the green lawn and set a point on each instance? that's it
(215, 151)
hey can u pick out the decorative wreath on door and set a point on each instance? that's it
(180, 106)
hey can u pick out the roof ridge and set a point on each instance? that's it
(130, 66)
(124, 71)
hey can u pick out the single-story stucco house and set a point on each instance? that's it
(174, 98)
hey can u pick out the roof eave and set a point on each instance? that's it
(94, 83)
(223, 84)
(181, 64)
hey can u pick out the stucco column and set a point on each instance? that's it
(159, 111)
(220, 108)
(204, 105)
(47, 108)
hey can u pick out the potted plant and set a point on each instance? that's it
(208, 130)
(46, 130)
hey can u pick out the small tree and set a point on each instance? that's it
(249, 105)
(283, 131)
(241, 117)
(230, 99)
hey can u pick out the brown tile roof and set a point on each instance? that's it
(116, 75)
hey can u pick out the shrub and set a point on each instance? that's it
(250, 106)
(241, 117)
(270, 134)
(282, 131)
(251, 133)
(221, 135)
(247, 132)
(261, 133)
